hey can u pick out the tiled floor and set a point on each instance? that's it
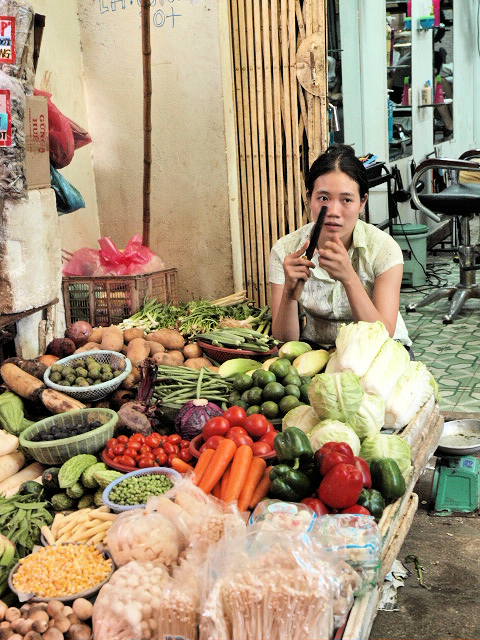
(450, 351)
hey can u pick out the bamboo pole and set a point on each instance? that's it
(147, 119)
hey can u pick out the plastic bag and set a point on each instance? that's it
(84, 262)
(62, 145)
(135, 258)
(68, 197)
(80, 136)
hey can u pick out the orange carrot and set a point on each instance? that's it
(255, 473)
(179, 465)
(224, 481)
(217, 489)
(262, 488)
(221, 458)
(239, 472)
(202, 464)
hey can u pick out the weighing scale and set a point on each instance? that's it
(456, 479)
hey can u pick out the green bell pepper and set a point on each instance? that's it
(293, 448)
(387, 478)
(289, 484)
(372, 500)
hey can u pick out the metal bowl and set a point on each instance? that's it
(460, 437)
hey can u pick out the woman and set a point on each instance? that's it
(356, 272)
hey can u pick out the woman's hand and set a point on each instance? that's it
(296, 268)
(334, 258)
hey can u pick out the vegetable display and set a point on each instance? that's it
(193, 415)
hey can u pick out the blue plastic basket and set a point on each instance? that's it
(166, 471)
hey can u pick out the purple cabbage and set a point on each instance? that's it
(193, 415)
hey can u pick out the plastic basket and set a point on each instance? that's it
(111, 299)
(222, 354)
(98, 391)
(57, 452)
(166, 471)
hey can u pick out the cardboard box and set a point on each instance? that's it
(37, 153)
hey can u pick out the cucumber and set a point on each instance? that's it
(71, 470)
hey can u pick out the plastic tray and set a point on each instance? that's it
(117, 508)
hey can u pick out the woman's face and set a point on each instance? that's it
(341, 195)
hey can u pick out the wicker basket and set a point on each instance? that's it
(98, 391)
(222, 354)
(57, 452)
(166, 471)
(111, 299)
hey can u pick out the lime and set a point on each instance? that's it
(304, 392)
(292, 390)
(292, 370)
(254, 395)
(234, 397)
(241, 403)
(287, 403)
(270, 409)
(261, 377)
(273, 391)
(291, 378)
(305, 379)
(254, 408)
(280, 367)
(242, 382)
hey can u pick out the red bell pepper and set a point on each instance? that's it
(341, 487)
(362, 465)
(317, 505)
(357, 509)
(332, 453)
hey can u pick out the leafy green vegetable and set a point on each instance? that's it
(387, 445)
(414, 387)
(358, 343)
(370, 416)
(12, 417)
(335, 395)
(386, 368)
(334, 431)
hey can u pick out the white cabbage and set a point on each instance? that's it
(413, 389)
(358, 343)
(385, 445)
(334, 431)
(335, 395)
(370, 417)
(386, 368)
(303, 417)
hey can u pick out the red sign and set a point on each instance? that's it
(7, 39)
(5, 119)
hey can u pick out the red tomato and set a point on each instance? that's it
(171, 457)
(130, 452)
(170, 448)
(119, 449)
(145, 449)
(136, 436)
(270, 427)
(127, 461)
(109, 452)
(175, 438)
(185, 455)
(256, 425)
(116, 459)
(163, 438)
(268, 438)
(235, 415)
(111, 443)
(135, 444)
(144, 462)
(216, 426)
(239, 438)
(153, 439)
(161, 458)
(261, 448)
(158, 451)
(122, 439)
(239, 430)
(184, 444)
(357, 508)
(212, 442)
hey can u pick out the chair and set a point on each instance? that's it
(459, 202)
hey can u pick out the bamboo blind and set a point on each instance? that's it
(281, 127)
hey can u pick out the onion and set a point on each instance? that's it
(79, 332)
(193, 415)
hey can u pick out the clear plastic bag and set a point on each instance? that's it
(277, 514)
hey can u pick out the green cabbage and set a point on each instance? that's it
(12, 417)
(334, 431)
(303, 417)
(411, 392)
(386, 368)
(358, 343)
(335, 395)
(387, 445)
(370, 417)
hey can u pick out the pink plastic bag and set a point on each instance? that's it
(61, 141)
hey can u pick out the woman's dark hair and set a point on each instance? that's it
(339, 157)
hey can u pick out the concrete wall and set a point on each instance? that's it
(92, 63)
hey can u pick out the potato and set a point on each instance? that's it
(170, 358)
(132, 379)
(137, 350)
(96, 335)
(134, 332)
(155, 347)
(171, 339)
(197, 363)
(112, 338)
(192, 350)
(90, 346)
